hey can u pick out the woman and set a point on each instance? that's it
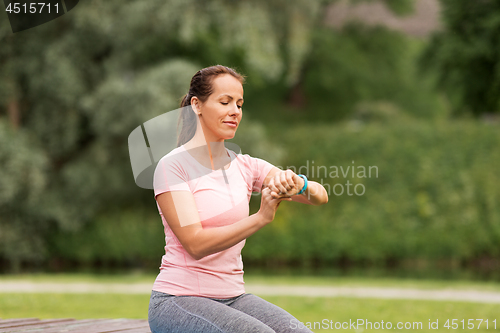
(202, 192)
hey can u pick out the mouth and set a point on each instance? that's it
(231, 123)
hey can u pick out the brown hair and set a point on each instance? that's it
(201, 87)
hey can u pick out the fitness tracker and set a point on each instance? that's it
(305, 184)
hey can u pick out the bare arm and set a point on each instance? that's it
(315, 194)
(180, 211)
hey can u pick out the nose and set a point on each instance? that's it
(235, 111)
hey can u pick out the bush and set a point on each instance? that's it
(435, 196)
(433, 193)
(131, 237)
(364, 64)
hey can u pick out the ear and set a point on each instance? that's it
(196, 104)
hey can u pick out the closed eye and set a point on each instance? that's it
(239, 106)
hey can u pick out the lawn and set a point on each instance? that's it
(323, 311)
(305, 309)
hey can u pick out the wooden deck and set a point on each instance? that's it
(33, 325)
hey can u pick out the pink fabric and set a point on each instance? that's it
(222, 198)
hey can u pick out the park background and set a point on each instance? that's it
(408, 86)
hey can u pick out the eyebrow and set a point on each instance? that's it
(231, 97)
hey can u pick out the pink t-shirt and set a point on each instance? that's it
(222, 197)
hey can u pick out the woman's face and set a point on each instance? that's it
(222, 108)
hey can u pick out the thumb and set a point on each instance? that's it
(281, 199)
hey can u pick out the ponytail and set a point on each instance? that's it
(188, 120)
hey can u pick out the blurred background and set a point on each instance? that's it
(408, 86)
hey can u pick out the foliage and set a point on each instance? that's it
(130, 237)
(80, 84)
(22, 181)
(466, 55)
(432, 196)
(435, 195)
(362, 65)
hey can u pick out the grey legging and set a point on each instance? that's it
(245, 313)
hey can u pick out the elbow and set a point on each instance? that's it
(196, 256)
(321, 200)
(319, 203)
(320, 197)
(193, 246)
(325, 196)
(195, 252)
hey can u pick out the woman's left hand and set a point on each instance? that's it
(285, 183)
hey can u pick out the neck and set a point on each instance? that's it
(215, 149)
(208, 149)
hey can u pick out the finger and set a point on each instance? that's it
(284, 181)
(272, 194)
(267, 191)
(298, 182)
(278, 181)
(283, 199)
(272, 186)
(280, 196)
(289, 178)
(275, 189)
(275, 195)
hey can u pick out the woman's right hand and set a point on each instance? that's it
(269, 205)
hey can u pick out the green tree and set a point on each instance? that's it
(73, 89)
(466, 55)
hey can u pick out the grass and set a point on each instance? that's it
(78, 306)
(315, 312)
(305, 309)
(394, 311)
(81, 277)
(378, 282)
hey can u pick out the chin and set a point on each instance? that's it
(228, 137)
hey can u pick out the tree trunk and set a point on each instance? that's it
(297, 98)
(14, 114)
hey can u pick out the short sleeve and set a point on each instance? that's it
(260, 169)
(169, 175)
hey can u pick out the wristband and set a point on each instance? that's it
(305, 184)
